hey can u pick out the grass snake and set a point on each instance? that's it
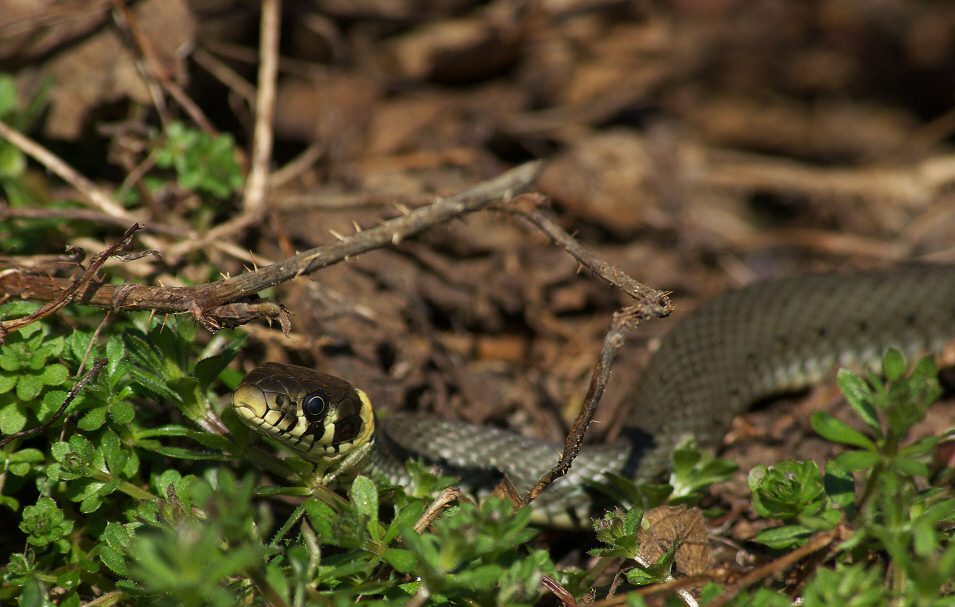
(743, 346)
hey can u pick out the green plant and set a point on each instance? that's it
(114, 499)
(135, 504)
(898, 511)
(796, 492)
(202, 163)
(30, 372)
(692, 471)
(19, 115)
(74, 473)
(620, 531)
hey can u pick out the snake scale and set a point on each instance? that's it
(741, 347)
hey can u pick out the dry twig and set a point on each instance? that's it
(229, 302)
(70, 291)
(623, 321)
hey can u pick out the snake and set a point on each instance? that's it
(743, 346)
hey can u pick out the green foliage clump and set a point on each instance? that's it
(875, 508)
(896, 510)
(203, 163)
(30, 372)
(144, 492)
(125, 502)
(73, 473)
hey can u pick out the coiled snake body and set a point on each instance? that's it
(741, 347)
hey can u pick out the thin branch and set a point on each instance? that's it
(69, 293)
(227, 303)
(565, 597)
(820, 541)
(650, 303)
(295, 167)
(623, 321)
(437, 506)
(90, 191)
(528, 207)
(85, 215)
(254, 199)
(155, 68)
(99, 364)
(499, 189)
(224, 74)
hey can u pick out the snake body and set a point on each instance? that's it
(741, 347)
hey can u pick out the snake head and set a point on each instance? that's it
(318, 415)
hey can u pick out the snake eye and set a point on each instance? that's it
(315, 405)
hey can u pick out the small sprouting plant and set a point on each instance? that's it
(203, 163)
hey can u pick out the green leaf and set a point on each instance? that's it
(911, 467)
(620, 531)
(93, 419)
(7, 382)
(482, 577)
(138, 347)
(183, 453)
(787, 536)
(119, 371)
(839, 485)
(115, 354)
(20, 462)
(212, 441)
(78, 343)
(13, 418)
(9, 100)
(893, 365)
(54, 375)
(49, 348)
(154, 384)
(403, 561)
(81, 445)
(854, 585)
(60, 450)
(113, 454)
(364, 496)
(858, 460)
(122, 413)
(167, 430)
(321, 516)
(10, 358)
(203, 163)
(116, 535)
(860, 396)
(787, 490)
(29, 387)
(838, 431)
(657, 572)
(208, 369)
